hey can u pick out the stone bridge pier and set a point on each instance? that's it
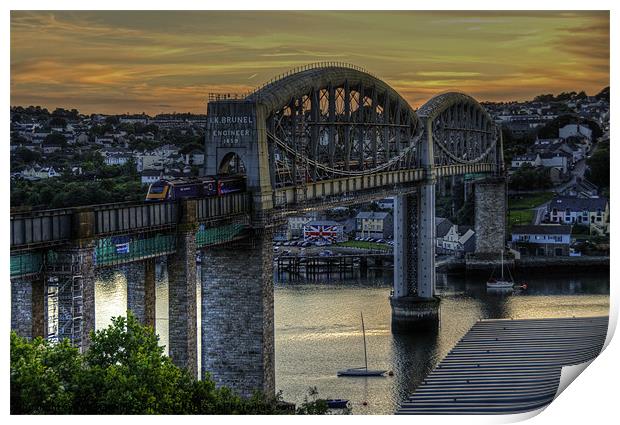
(490, 217)
(237, 314)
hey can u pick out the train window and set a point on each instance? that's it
(156, 189)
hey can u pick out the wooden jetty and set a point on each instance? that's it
(507, 366)
(340, 263)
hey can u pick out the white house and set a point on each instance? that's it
(555, 160)
(195, 157)
(573, 210)
(150, 176)
(117, 159)
(40, 173)
(542, 240)
(575, 130)
(529, 159)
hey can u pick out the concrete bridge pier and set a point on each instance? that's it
(237, 315)
(414, 304)
(182, 330)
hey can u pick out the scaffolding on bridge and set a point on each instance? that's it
(125, 249)
(26, 264)
(218, 235)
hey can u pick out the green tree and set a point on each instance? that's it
(26, 156)
(598, 164)
(112, 120)
(58, 122)
(43, 376)
(55, 139)
(530, 178)
(123, 372)
(552, 128)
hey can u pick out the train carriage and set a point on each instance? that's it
(183, 188)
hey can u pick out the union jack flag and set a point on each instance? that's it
(320, 231)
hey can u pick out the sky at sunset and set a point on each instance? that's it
(116, 62)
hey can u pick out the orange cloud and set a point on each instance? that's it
(134, 61)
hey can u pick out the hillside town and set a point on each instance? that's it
(556, 148)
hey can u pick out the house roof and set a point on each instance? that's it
(544, 229)
(322, 223)
(372, 215)
(578, 204)
(466, 236)
(442, 227)
(151, 173)
(526, 157)
(548, 155)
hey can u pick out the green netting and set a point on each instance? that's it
(26, 263)
(217, 235)
(475, 176)
(116, 250)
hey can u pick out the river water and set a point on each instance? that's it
(318, 327)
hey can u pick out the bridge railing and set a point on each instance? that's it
(52, 227)
(227, 205)
(314, 65)
(41, 227)
(116, 219)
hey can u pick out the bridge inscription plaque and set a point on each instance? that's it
(231, 123)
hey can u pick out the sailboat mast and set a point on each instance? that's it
(502, 264)
(364, 333)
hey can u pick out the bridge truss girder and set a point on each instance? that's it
(339, 130)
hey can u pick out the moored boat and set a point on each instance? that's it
(362, 371)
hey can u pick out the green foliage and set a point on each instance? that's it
(599, 166)
(529, 200)
(513, 145)
(603, 94)
(43, 376)
(190, 147)
(365, 245)
(112, 119)
(68, 191)
(530, 178)
(580, 229)
(552, 128)
(123, 372)
(26, 156)
(312, 405)
(562, 97)
(58, 122)
(55, 139)
(465, 214)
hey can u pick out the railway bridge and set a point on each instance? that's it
(324, 135)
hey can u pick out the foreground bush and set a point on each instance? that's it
(124, 371)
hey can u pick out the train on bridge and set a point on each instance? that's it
(199, 187)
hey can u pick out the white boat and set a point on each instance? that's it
(502, 282)
(362, 371)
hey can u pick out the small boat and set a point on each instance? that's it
(337, 403)
(502, 283)
(362, 371)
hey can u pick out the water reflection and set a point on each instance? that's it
(318, 329)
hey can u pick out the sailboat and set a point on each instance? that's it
(502, 283)
(362, 371)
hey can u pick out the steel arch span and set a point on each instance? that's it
(335, 131)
